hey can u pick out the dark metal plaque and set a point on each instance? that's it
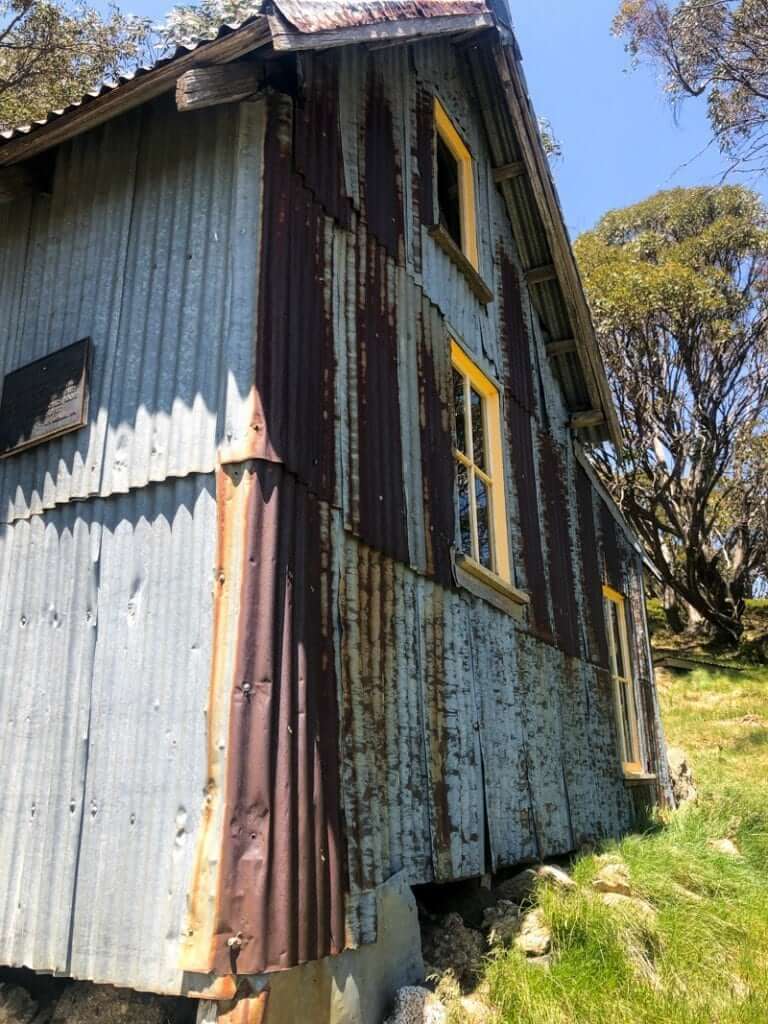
(45, 399)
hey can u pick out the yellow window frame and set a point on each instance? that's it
(493, 477)
(447, 132)
(629, 746)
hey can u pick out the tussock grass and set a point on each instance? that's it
(704, 957)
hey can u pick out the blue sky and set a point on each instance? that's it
(619, 137)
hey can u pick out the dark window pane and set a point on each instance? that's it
(483, 524)
(458, 405)
(465, 528)
(621, 668)
(478, 433)
(626, 721)
(448, 191)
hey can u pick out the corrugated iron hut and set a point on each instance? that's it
(306, 580)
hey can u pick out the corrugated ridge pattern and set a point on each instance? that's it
(109, 610)
(148, 245)
(281, 890)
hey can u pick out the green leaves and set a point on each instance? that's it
(52, 54)
(677, 286)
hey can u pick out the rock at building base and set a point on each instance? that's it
(535, 938)
(681, 776)
(639, 909)
(84, 1003)
(726, 847)
(520, 888)
(415, 1005)
(613, 876)
(450, 946)
(16, 1005)
(502, 923)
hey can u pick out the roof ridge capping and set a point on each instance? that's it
(296, 25)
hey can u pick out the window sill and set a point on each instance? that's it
(489, 587)
(638, 778)
(454, 253)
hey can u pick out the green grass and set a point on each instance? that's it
(705, 957)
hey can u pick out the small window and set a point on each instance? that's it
(482, 514)
(623, 683)
(455, 186)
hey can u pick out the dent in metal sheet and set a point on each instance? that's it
(281, 885)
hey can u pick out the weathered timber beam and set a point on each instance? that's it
(285, 37)
(219, 83)
(587, 419)
(538, 275)
(507, 171)
(133, 93)
(17, 182)
(561, 348)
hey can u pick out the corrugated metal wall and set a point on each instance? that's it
(106, 622)
(265, 689)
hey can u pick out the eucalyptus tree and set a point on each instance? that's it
(679, 291)
(52, 53)
(714, 49)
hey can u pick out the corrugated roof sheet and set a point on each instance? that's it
(325, 15)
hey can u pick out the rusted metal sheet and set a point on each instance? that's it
(380, 513)
(517, 346)
(282, 879)
(295, 362)
(438, 471)
(317, 145)
(383, 175)
(521, 449)
(309, 16)
(424, 179)
(613, 562)
(561, 566)
(592, 584)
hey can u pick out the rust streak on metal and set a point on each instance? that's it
(590, 568)
(437, 468)
(559, 547)
(383, 175)
(197, 951)
(382, 512)
(247, 1009)
(515, 338)
(281, 885)
(309, 17)
(317, 147)
(521, 445)
(295, 361)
